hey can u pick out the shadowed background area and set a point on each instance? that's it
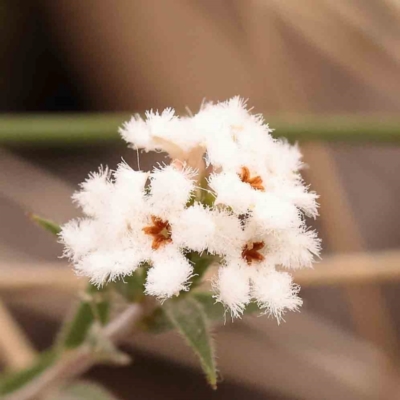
(323, 60)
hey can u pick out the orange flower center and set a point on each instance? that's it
(255, 182)
(251, 252)
(160, 230)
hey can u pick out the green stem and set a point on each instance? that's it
(83, 129)
(76, 362)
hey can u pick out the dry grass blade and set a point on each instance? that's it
(15, 349)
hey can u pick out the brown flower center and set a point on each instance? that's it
(255, 182)
(251, 252)
(160, 230)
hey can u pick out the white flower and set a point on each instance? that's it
(249, 211)
(233, 136)
(253, 263)
(136, 227)
(164, 132)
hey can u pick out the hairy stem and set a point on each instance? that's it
(76, 362)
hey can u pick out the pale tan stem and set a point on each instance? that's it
(15, 349)
(353, 268)
(78, 361)
(338, 269)
(19, 276)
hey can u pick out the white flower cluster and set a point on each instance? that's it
(255, 224)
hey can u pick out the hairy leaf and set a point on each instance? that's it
(201, 264)
(189, 318)
(132, 286)
(158, 322)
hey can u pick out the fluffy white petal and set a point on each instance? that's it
(223, 152)
(130, 182)
(284, 160)
(169, 274)
(295, 248)
(170, 190)
(232, 192)
(95, 193)
(228, 234)
(232, 288)
(273, 213)
(276, 293)
(297, 193)
(104, 266)
(194, 228)
(128, 207)
(80, 237)
(163, 132)
(137, 133)
(180, 138)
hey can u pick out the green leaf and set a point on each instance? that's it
(214, 311)
(188, 317)
(132, 286)
(13, 381)
(95, 309)
(48, 225)
(159, 323)
(83, 391)
(201, 264)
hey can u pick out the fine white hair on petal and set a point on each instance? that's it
(297, 193)
(193, 228)
(305, 201)
(164, 127)
(164, 132)
(95, 193)
(169, 274)
(129, 180)
(79, 237)
(108, 265)
(284, 159)
(274, 213)
(232, 288)
(137, 133)
(229, 131)
(180, 138)
(228, 234)
(294, 248)
(232, 192)
(223, 152)
(170, 189)
(128, 200)
(276, 293)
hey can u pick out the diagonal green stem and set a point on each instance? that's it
(77, 361)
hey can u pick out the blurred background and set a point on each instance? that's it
(323, 59)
